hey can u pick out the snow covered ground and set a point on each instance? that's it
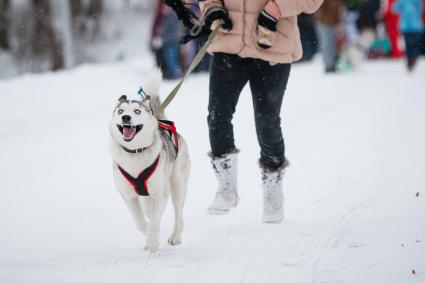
(357, 147)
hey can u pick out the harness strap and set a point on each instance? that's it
(139, 184)
(171, 128)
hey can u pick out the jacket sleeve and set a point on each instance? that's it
(295, 7)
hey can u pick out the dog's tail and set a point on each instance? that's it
(151, 87)
(153, 82)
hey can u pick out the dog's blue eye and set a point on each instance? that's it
(120, 111)
(137, 111)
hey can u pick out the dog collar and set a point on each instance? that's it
(164, 125)
(139, 150)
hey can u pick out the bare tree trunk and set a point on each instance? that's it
(4, 24)
(95, 9)
(76, 8)
(94, 12)
(62, 24)
(76, 14)
(44, 40)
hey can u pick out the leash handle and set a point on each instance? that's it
(192, 66)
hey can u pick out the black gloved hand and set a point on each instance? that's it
(267, 24)
(215, 13)
(184, 14)
(212, 14)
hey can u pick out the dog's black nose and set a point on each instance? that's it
(126, 118)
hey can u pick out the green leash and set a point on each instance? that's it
(192, 66)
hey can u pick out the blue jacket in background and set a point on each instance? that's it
(410, 12)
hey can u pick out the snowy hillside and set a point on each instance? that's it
(355, 193)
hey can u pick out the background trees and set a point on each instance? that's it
(4, 24)
(41, 35)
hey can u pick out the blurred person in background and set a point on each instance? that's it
(381, 45)
(191, 48)
(412, 26)
(353, 54)
(423, 21)
(423, 36)
(391, 20)
(329, 16)
(165, 41)
(309, 41)
(369, 15)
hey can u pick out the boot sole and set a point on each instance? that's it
(271, 220)
(217, 211)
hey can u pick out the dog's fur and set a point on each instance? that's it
(170, 176)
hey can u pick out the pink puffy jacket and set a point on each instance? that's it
(242, 39)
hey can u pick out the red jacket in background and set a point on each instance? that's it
(391, 25)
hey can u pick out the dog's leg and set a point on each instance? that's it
(148, 207)
(157, 206)
(177, 196)
(136, 211)
(178, 191)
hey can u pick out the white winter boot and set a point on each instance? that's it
(225, 169)
(273, 194)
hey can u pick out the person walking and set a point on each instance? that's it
(329, 16)
(165, 41)
(367, 22)
(391, 20)
(307, 27)
(258, 41)
(412, 26)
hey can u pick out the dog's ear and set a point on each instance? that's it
(123, 98)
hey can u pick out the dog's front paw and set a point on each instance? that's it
(142, 228)
(175, 239)
(152, 245)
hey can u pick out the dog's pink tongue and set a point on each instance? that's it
(128, 132)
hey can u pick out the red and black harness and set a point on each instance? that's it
(139, 184)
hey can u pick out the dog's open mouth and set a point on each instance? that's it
(129, 131)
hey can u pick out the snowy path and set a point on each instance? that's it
(356, 144)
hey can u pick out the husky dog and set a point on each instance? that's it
(151, 162)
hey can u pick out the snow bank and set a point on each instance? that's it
(356, 144)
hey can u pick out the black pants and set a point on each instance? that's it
(229, 74)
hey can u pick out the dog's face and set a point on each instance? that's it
(133, 124)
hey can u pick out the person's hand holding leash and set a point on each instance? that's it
(215, 12)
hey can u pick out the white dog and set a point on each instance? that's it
(151, 162)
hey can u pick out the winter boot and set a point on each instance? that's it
(225, 169)
(273, 194)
